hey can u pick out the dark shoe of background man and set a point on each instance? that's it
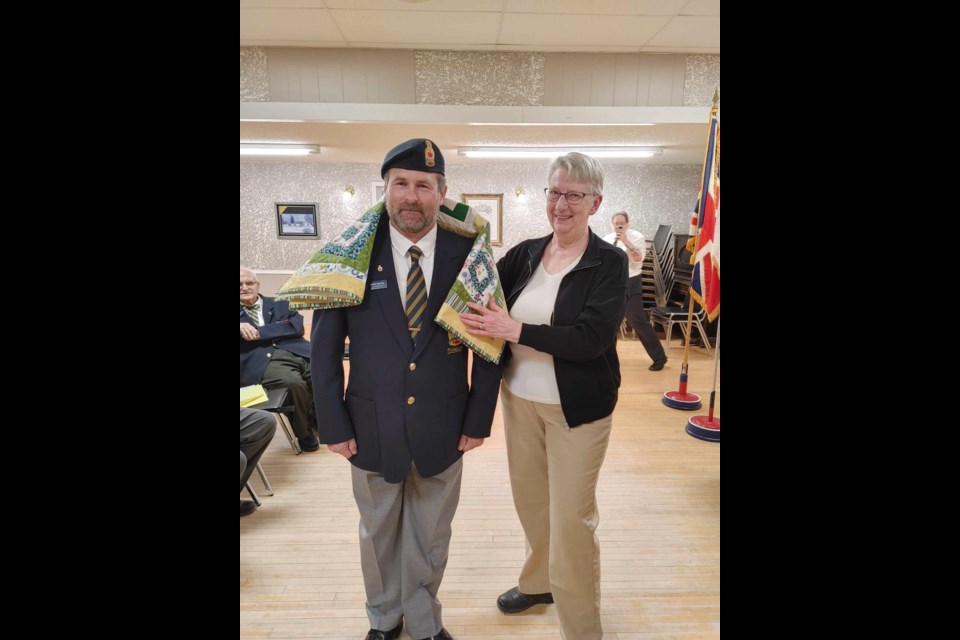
(443, 635)
(514, 601)
(247, 507)
(656, 366)
(375, 634)
(310, 443)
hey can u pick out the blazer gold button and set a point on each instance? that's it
(413, 366)
(379, 267)
(411, 400)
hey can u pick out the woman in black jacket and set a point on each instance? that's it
(567, 293)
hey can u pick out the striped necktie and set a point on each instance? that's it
(416, 293)
(254, 313)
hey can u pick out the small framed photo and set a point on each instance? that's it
(376, 190)
(490, 206)
(296, 220)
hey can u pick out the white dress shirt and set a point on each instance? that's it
(637, 240)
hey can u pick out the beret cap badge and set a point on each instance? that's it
(428, 156)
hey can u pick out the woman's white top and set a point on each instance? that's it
(530, 373)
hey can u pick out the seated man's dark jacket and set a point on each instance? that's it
(282, 329)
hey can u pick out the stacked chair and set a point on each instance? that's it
(675, 311)
(658, 268)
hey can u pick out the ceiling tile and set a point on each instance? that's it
(285, 25)
(700, 8)
(417, 5)
(689, 31)
(411, 27)
(597, 7)
(606, 31)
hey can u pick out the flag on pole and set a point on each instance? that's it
(705, 285)
(692, 240)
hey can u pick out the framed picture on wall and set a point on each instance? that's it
(490, 206)
(376, 190)
(296, 220)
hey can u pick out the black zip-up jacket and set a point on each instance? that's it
(582, 334)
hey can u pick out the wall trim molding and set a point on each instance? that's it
(466, 114)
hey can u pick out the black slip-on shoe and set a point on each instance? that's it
(376, 634)
(514, 601)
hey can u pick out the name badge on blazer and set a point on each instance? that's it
(378, 284)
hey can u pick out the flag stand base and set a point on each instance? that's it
(703, 428)
(681, 401)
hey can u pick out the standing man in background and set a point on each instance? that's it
(632, 243)
(273, 353)
(408, 414)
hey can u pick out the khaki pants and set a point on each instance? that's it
(553, 474)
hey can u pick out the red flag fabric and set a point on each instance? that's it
(705, 285)
(694, 227)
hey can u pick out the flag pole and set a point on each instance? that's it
(682, 399)
(707, 427)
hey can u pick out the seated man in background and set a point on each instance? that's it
(273, 353)
(256, 431)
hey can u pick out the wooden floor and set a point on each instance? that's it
(659, 532)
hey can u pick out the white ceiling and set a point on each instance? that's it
(646, 26)
(650, 26)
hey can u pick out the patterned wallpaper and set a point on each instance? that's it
(700, 80)
(661, 194)
(505, 78)
(254, 79)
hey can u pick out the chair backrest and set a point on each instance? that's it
(661, 237)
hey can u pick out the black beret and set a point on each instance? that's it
(418, 154)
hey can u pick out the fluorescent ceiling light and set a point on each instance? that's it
(260, 149)
(553, 152)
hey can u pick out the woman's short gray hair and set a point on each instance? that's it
(580, 168)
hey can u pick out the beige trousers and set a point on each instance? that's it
(553, 473)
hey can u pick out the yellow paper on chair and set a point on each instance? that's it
(254, 394)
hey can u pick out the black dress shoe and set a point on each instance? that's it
(514, 601)
(375, 634)
(658, 364)
(247, 507)
(443, 635)
(310, 443)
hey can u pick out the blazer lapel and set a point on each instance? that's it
(267, 308)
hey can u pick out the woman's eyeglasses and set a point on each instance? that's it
(572, 197)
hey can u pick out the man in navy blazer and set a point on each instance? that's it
(408, 413)
(273, 353)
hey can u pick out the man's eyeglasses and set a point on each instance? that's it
(572, 197)
(254, 283)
